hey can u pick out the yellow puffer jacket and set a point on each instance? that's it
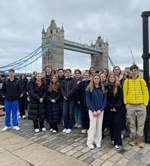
(135, 91)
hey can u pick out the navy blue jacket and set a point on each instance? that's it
(96, 100)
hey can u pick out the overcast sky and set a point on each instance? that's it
(119, 22)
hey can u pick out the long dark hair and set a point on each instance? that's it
(22, 80)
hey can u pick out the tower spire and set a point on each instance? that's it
(62, 28)
(43, 31)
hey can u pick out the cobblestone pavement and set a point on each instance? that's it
(74, 145)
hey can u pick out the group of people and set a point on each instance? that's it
(93, 102)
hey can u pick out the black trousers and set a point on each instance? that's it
(22, 102)
(54, 126)
(115, 128)
(37, 122)
(85, 117)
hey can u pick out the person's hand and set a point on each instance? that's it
(65, 98)
(94, 113)
(21, 95)
(41, 100)
(98, 112)
(114, 110)
(79, 102)
(53, 101)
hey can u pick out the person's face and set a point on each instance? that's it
(116, 70)
(54, 79)
(111, 79)
(23, 77)
(77, 74)
(125, 75)
(92, 71)
(105, 72)
(68, 73)
(96, 79)
(48, 69)
(134, 72)
(86, 76)
(43, 75)
(52, 72)
(32, 76)
(60, 73)
(38, 77)
(11, 74)
(103, 77)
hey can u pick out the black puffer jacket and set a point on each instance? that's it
(81, 92)
(68, 88)
(24, 86)
(117, 103)
(37, 109)
(53, 109)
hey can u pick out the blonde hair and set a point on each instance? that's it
(45, 77)
(115, 84)
(91, 85)
(36, 79)
(53, 86)
(119, 69)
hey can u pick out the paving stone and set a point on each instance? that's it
(79, 147)
(123, 161)
(89, 160)
(105, 156)
(127, 147)
(112, 151)
(129, 154)
(135, 148)
(148, 153)
(147, 146)
(133, 162)
(139, 156)
(86, 149)
(97, 162)
(95, 150)
(1, 150)
(124, 142)
(98, 154)
(77, 154)
(85, 156)
(143, 150)
(115, 157)
(76, 144)
(78, 139)
(146, 160)
(83, 140)
(66, 149)
(108, 163)
(71, 152)
(122, 151)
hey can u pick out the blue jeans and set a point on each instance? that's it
(68, 107)
(8, 106)
(77, 114)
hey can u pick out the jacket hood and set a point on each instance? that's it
(61, 78)
(69, 78)
(86, 80)
(130, 76)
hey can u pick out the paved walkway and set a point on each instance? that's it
(25, 147)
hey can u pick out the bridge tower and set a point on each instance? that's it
(100, 60)
(55, 55)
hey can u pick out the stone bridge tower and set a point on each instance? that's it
(55, 55)
(99, 61)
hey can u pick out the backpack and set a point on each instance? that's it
(17, 82)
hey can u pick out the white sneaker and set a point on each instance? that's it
(117, 147)
(51, 130)
(122, 136)
(68, 131)
(19, 117)
(43, 129)
(105, 129)
(6, 128)
(79, 126)
(54, 131)
(112, 142)
(64, 130)
(23, 117)
(16, 128)
(91, 146)
(37, 130)
(98, 145)
(84, 131)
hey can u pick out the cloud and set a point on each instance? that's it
(118, 21)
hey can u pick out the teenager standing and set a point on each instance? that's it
(37, 111)
(96, 102)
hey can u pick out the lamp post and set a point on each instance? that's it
(146, 57)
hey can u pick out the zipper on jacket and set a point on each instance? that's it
(135, 92)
